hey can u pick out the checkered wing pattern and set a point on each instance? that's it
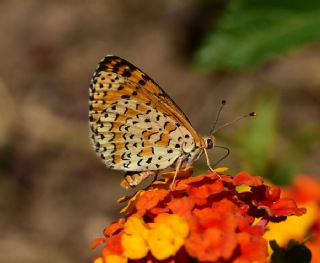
(135, 125)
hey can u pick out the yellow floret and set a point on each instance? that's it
(167, 236)
(133, 240)
(115, 259)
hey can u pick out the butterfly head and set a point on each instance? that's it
(209, 142)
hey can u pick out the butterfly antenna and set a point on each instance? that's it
(223, 102)
(251, 114)
(223, 157)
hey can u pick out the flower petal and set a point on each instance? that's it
(182, 206)
(200, 193)
(114, 228)
(150, 199)
(97, 242)
(282, 207)
(134, 246)
(167, 235)
(247, 179)
(253, 248)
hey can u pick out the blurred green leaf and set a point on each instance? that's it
(253, 31)
(257, 139)
(284, 169)
(293, 253)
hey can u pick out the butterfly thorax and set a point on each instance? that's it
(193, 154)
(191, 157)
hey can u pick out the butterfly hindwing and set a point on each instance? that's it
(135, 125)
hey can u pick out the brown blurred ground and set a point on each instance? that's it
(55, 195)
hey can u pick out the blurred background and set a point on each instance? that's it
(55, 194)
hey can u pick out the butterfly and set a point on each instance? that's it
(136, 127)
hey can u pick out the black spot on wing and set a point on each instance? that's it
(126, 73)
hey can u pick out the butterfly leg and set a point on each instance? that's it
(178, 166)
(209, 165)
(208, 160)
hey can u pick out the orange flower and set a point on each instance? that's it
(203, 217)
(149, 200)
(314, 243)
(214, 232)
(306, 191)
(253, 248)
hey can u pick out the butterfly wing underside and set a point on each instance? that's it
(135, 125)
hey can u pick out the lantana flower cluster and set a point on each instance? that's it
(211, 218)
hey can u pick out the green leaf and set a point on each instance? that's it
(257, 139)
(293, 253)
(285, 170)
(254, 31)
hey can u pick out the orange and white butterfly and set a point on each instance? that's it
(136, 127)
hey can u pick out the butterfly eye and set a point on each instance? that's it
(209, 144)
